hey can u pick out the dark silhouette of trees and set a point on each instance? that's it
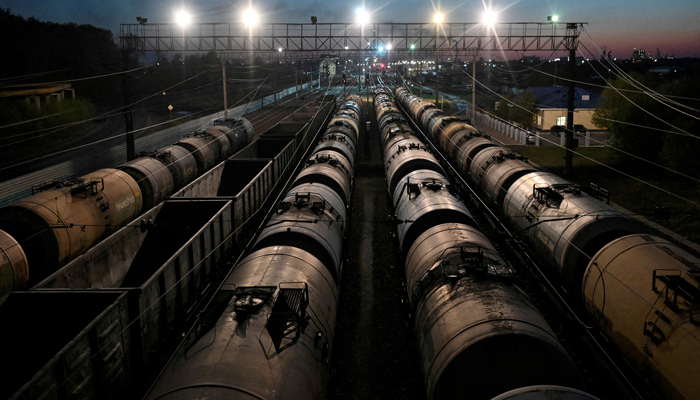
(618, 109)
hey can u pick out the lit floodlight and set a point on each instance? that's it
(553, 18)
(438, 18)
(183, 18)
(280, 49)
(413, 46)
(362, 16)
(250, 17)
(489, 17)
(346, 47)
(388, 46)
(381, 48)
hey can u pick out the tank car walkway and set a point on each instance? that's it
(375, 356)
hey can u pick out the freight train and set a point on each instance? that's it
(640, 290)
(472, 320)
(274, 336)
(118, 311)
(41, 233)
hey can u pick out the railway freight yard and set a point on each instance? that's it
(343, 238)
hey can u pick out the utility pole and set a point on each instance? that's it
(223, 71)
(128, 120)
(474, 89)
(568, 170)
(436, 64)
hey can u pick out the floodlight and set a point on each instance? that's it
(362, 16)
(250, 17)
(489, 17)
(183, 18)
(438, 18)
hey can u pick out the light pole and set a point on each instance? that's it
(362, 20)
(438, 20)
(488, 19)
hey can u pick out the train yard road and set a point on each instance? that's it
(375, 353)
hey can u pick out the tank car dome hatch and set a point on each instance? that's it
(465, 346)
(545, 392)
(325, 169)
(338, 143)
(246, 347)
(403, 158)
(305, 221)
(496, 169)
(344, 129)
(643, 292)
(425, 204)
(564, 226)
(468, 151)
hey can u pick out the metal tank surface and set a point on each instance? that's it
(495, 169)
(14, 270)
(443, 131)
(423, 204)
(62, 222)
(408, 157)
(468, 150)
(219, 137)
(564, 226)
(181, 164)
(239, 127)
(643, 292)
(431, 117)
(204, 151)
(241, 355)
(154, 178)
(348, 120)
(307, 221)
(474, 323)
(340, 143)
(545, 392)
(329, 169)
(454, 146)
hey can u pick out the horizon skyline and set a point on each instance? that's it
(673, 27)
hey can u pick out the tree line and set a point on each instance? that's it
(664, 130)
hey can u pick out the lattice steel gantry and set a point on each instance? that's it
(458, 39)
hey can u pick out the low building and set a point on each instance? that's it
(552, 103)
(35, 92)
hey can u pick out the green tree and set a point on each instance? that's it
(643, 125)
(621, 113)
(524, 111)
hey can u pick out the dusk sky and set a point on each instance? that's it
(673, 26)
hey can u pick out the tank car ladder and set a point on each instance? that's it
(288, 314)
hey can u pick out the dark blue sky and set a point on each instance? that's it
(673, 26)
